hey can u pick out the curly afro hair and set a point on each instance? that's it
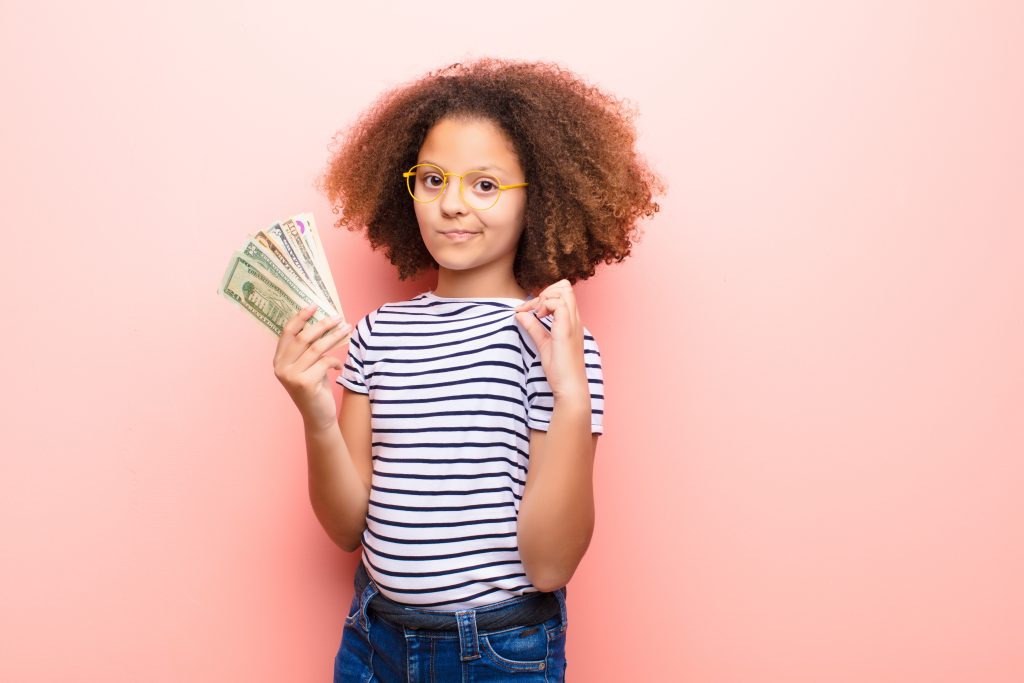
(588, 185)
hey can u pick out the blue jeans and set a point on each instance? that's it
(374, 649)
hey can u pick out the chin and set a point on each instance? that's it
(448, 264)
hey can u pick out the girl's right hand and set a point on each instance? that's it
(301, 366)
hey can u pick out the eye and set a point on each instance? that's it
(433, 180)
(485, 185)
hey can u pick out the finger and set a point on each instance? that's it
(559, 311)
(564, 291)
(532, 303)
(293, 347)
(534, 328)
(568, 325)
(330, 339)
(565, 325)
(527, 305)
(571, 306)
(547, 304)
(319, 369)
(328, 363)
(315, 331)
(298, 321)
(288, 332)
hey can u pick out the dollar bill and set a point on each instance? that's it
(266, 299)
(269, 276)
(278, 234)
(292, 230)
(270, 246)
(307, 225)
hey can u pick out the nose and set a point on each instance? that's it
(451, 199)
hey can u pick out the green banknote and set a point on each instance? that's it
(269, 280)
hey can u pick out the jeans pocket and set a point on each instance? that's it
(354, 661)
(353, 610)
(556, 651)
(518, 649)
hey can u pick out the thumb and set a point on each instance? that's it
(537, 332)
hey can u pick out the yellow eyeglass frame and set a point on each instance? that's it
(411, 173)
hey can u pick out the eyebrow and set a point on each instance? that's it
(486, 167)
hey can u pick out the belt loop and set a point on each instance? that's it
(469, 648)
(560, 596)
(364, 600)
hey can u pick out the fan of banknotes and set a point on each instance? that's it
(281, 270)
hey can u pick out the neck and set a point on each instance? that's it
(461, 283)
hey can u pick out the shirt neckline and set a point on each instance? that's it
(431, 295)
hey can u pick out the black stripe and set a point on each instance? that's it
(442, 508)
(452, 383)
(431, 541)
(469, 428)
(442, 477)
(350, 379)
(425, 525)
(406, 492)
(433, 322)
(443, 589)
(453, 368)
(458, 570)
(444, 556)
(448, 398)
(477, 595)
(447, 413)
(439, 333)
(407, 347)
(551, 395)
(464, 444)
(449, 460)
(457, 353)
(551, 409)
(431, 304)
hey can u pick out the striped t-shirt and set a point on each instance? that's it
(455, 385)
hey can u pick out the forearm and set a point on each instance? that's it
(556, 515)
(336, 491)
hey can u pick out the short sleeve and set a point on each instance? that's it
(540, 400)
(353, 375)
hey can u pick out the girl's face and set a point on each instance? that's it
(489, 247)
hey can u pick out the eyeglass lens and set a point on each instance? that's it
(479, 188)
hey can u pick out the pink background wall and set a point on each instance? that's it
(813, 466)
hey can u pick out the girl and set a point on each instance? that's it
(461, 459)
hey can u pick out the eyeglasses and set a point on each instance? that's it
(427, 182)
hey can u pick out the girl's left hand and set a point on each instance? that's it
(561, 349)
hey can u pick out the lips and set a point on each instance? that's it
(460, 235)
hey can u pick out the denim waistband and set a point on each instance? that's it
(525, 610)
